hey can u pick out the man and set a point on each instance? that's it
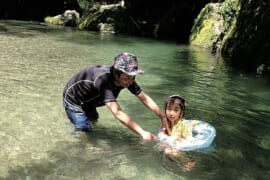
(100, 85)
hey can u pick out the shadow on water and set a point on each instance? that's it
(242, 135)
(2, 28)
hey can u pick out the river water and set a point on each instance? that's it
(38, 142)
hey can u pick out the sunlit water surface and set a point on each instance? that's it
(37, 140)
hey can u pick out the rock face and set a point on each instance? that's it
(248, 43)
(239, 29)
(68, 18)
(209, 28)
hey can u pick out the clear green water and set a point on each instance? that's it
(37, 140)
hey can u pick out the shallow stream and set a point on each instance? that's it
(37, 140)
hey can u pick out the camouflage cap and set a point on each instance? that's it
(128, 64)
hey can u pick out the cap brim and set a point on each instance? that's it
(139, 71)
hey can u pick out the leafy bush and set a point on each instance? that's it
(228, 9)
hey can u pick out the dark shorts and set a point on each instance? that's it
(81, 118)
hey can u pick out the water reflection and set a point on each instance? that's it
(37, 141)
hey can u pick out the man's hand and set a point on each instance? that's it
(148, 136)
(128, 122)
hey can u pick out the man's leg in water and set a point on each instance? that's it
(78, 118)
(92, 116)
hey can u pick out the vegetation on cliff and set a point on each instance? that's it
(237, 28)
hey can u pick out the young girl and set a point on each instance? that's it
(174, 124)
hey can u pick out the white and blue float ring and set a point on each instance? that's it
(203, 134)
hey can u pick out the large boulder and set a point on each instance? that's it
(239, 29)
(68, 18)
(209, 27)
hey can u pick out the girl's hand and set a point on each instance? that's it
(161, 133)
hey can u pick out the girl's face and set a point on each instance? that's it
(173, 111)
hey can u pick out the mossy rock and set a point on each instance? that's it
(208, 27)
(68, 18)
(110, 18)
(56, 20)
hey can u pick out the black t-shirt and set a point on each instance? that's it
(94, 86)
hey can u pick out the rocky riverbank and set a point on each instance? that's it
(238, 29)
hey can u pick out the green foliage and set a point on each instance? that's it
(229, 9)
(87, 4)
(141, 21)
(46, 19)
(84, 4)
(110, 19)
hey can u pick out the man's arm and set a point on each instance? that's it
(148, 102)
(128, 122)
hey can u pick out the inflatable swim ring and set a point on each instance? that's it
(203, 134)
